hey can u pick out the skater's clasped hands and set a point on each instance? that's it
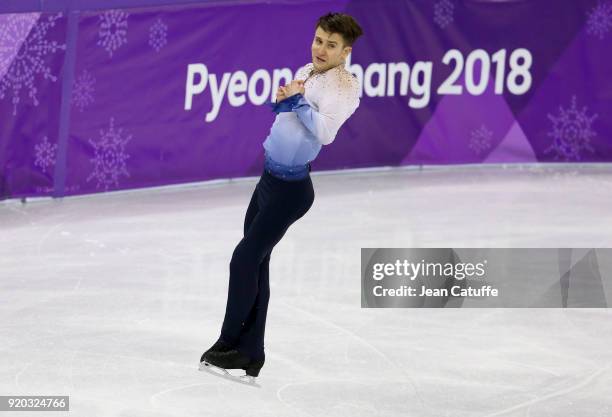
(294, 87)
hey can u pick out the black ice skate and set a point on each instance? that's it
(232, 359)
(219, 346)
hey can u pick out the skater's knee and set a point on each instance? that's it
(246, 255)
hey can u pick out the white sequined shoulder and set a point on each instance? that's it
(343, 81)
(304, 71)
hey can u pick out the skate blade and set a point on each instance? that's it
(223, 373)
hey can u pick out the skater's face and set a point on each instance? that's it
(328, 50)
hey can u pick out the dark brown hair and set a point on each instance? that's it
(342, 24)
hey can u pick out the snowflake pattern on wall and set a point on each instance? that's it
(571, 132)
(599, 21)
(83, 90)
(444, 11)
(480, 139)
(109, 159)
(45, 154)
(113, 30)
(13, 32)
(158, 34)
(30, 60)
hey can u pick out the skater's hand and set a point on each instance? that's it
(281, 94)
(295, 87)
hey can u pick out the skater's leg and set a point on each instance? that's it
(267, 228)
(279, 205)
(262, 298)
(252, 336)
(250, 214)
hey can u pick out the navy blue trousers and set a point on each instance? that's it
(275, 205)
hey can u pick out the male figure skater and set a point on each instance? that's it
(310, 111)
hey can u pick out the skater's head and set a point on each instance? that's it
(335, 34)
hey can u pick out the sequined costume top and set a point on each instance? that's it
(306, 122)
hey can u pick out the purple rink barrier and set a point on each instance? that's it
(100, 100)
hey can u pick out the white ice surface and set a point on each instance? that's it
(112, 298)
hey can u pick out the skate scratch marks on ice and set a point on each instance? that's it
(153, 398)
(341, 380)
(524, 365)
(574, 387)
(22, 212)
(278, 395)
(364, 342)
(20, 372)
(46, 236)
(71, 366)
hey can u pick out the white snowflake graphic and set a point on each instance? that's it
(45, 154)
(480, 139)
(113, 30)
(571, 132)
(599, 22)
(13, 32)
(109, 157)
(444, 12)
(83, 90)
(158, 34)
(21, 67)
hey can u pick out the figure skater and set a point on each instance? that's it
(310, 111)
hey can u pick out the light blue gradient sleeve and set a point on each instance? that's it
(334, 109)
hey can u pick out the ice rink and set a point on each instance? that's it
(112, 298)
